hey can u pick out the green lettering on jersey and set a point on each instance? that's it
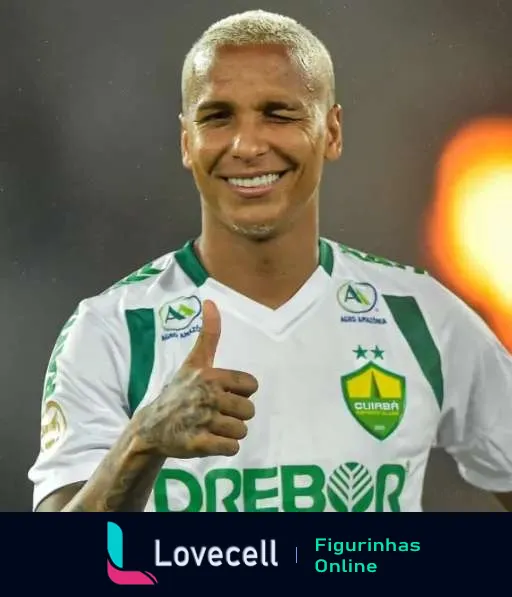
(185, 478)
(228, 501)
(409, 318)
(380, 260)
(351, 487)
(253, 494)
(293, 490)
(389, 485)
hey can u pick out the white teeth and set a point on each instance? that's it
(257, 181)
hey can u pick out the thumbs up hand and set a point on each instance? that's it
(202, 411)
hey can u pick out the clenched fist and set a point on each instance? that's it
(202, 411)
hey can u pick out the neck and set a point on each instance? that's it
(269, 271)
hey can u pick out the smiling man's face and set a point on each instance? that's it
(255, 137)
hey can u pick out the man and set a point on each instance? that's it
(261, 367)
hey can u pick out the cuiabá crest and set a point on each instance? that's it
(376, 398)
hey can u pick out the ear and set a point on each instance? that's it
(185, 153)
(334, 139)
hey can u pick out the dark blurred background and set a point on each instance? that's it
(91, 182)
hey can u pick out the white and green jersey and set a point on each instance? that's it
(360, 374)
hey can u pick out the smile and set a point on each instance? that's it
(255, 181)
(255, 185)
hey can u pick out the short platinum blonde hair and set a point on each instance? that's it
(259, 27)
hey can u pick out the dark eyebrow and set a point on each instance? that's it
(214, 105)
(276, 106)
(267, 106)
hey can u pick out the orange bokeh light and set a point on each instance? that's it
(469, 225)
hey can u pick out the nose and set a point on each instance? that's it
(248, 141)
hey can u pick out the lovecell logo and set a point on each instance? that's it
(116, 573)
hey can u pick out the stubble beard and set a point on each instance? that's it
(256, 232)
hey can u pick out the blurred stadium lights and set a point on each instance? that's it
(469, 222)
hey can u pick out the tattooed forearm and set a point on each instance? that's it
(131, 490)
(201, 412)
(122, 483)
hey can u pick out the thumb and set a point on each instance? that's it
(203, 352)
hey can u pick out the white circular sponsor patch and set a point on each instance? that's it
(357, 297)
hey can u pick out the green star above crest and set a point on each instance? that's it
(360, 352)
(378, 353)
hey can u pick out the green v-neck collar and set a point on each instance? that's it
(190, 263)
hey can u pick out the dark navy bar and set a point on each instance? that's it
(67, 553)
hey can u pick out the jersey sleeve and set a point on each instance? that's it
(476, 421)
(84, 406)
